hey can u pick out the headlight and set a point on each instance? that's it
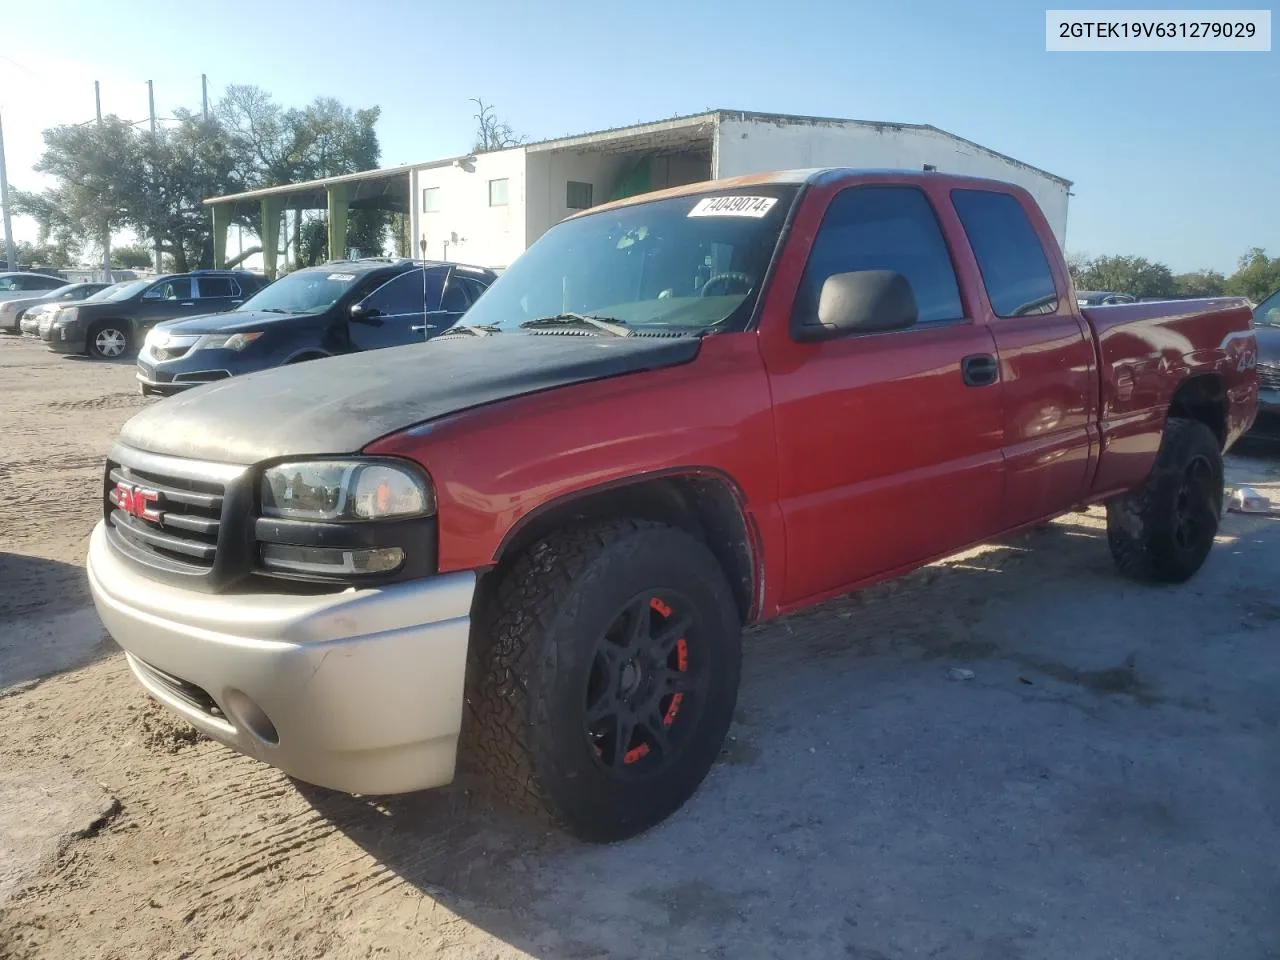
(345, 490)
(226, 341)
(66, 314)
(157, 337)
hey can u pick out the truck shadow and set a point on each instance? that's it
(999, 670)
(47, 622)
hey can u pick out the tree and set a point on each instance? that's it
(1200, 283)
(324, 139)
(111, 176)
(1077, 263)
(177, 169)
(43, 255)
(1257, 277)
(1136, 276)
(492, 133)
(131, 256)
(89, 164)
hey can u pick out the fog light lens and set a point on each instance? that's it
(329, 560)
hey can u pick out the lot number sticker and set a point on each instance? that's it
(733, 207)
(342, 276)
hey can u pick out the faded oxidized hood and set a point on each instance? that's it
(342, 404)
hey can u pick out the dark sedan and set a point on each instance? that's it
(1266, 320)
(340, 307)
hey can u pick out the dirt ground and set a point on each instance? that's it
(1105, 784)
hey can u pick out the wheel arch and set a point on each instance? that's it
(1202, 397)
(704, 502)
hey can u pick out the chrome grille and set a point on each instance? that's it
(1269, 376)
(188, 515)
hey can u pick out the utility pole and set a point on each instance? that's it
(106, 226)
(204, 95)
(151, 100)
(10, 248)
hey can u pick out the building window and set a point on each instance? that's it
(430, 199)
(498, 192)
(577, 195)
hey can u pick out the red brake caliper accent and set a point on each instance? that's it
(682, 664)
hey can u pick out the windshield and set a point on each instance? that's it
(307, 291)
(1267, 312)
(106, 292)
(694, 262)
(124, 291)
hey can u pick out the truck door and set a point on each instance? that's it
(888, 443)
(1047, 360)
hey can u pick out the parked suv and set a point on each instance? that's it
(340, 307)
(110, 327)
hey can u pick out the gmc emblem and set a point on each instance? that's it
(137, 501)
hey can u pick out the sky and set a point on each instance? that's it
(1174, 156)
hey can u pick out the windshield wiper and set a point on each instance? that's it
(275, 310)
(476, 330)
(611, 325)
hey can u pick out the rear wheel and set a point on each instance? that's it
(1163, 531)
(604, 676)
(108, 340)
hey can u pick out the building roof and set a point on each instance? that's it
(695, 122)
(383, 187)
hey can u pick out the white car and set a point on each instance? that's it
(14, 286)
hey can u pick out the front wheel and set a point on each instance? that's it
(604, 676)
(1163, 531)
(108, 340)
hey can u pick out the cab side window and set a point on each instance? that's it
(399, 296)
(883, 228)
(1015, 270)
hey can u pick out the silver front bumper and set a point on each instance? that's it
(359, 691)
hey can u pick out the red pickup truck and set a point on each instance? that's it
(540, 535)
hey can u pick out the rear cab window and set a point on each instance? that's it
(1015, 270)
(883, 228)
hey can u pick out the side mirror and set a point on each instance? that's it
(362, 314)
(864, 301)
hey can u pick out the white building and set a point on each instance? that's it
(486, 209)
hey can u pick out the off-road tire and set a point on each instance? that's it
(1143, 527)
(533, 646)
(92, 347)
